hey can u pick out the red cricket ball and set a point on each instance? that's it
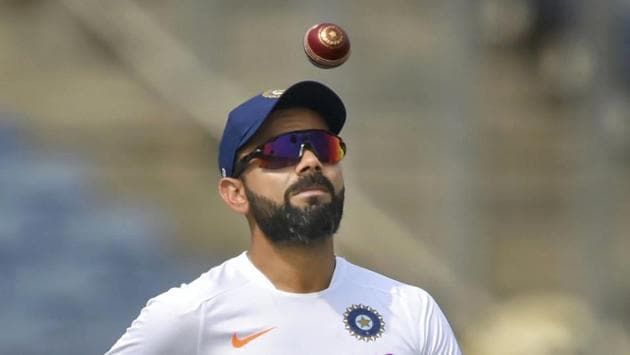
(327, 45)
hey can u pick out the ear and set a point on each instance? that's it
(232, 192)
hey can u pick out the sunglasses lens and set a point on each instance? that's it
(283, 147)
(285, 150)
(329, 148)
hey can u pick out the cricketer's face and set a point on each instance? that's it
(298, 204)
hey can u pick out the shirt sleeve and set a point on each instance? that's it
(439, 337)
(159, 329)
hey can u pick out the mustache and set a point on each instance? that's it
(310, 181)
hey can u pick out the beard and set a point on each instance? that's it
(289, 225)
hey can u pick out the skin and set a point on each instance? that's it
(298, 269)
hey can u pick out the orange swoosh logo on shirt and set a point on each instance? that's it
(240, 342)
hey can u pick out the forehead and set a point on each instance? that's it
(287, 120)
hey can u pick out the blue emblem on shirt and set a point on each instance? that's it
(364, 322)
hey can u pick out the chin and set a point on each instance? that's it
(311, 202)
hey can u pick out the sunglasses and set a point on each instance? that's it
(287, 149)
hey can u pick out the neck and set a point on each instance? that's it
(297, 269)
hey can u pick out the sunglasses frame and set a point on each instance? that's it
(257, 153)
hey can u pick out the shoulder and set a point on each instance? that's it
(168, 323)
(401, 298)
(221, 279)
(368, 279)
(416, 307)
(189, 297)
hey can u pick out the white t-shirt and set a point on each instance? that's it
(235, 309)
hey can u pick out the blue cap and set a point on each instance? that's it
(245, 120)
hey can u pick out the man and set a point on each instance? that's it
(288, 294)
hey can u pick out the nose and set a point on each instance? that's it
(308, 161)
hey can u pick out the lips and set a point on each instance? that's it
(314, 188)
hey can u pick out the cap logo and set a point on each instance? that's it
(273, 93)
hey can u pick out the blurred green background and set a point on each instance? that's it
(489, 158)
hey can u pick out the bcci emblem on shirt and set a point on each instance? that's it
(364, 322)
